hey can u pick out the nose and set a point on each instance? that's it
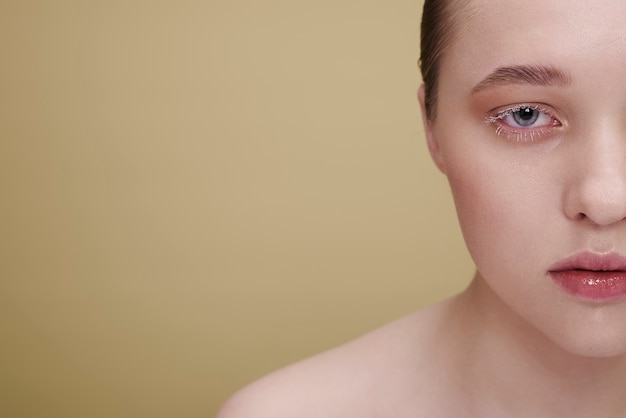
(597, 191)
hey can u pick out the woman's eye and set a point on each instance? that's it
(523, 122)
(527, 117)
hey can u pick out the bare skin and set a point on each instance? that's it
(439, 362)
(386, 373)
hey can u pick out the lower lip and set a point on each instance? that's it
(600, 286)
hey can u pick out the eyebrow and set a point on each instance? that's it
(538, 75)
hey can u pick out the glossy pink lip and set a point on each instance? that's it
(594, 277)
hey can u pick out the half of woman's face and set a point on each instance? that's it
(531, 132)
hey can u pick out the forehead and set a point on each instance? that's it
(576, 35)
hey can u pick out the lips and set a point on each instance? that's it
(600, 278)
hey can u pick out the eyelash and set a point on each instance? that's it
(521, 134)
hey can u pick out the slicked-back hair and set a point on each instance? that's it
(439, 26)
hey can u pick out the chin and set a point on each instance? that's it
(599, 350)
(595, 341)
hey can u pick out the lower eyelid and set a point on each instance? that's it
(524, 135)
(529, 135)
(520, 134)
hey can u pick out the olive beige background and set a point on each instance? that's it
(195, 193)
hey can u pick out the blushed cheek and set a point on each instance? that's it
(495, 215)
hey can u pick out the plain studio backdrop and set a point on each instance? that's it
(195, 193)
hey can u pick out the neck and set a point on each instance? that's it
(511, 367)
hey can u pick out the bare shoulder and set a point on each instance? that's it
(376, 375)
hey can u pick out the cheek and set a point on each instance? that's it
(504, 210)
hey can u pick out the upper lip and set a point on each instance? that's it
(592, 262)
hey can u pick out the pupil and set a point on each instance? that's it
(526, 113)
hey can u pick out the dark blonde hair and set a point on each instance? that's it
(439, 25)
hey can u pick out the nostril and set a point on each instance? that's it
(597, 199)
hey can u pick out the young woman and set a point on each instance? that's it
(524, 106)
